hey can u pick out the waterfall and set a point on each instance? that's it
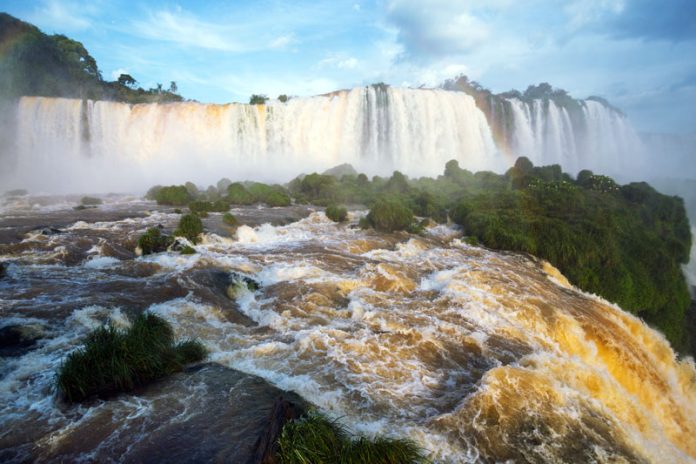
(596, 137)
(74, 145)
(106, 145)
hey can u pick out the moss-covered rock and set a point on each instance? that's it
(91, 201)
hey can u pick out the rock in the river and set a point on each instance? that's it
(17, 339)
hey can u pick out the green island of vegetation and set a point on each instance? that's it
(112, 360)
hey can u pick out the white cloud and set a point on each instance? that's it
(583, 12)
(185, 29)
(436, 28)
(283, 41)
(339, 61)
(116, 73)
(62, 16)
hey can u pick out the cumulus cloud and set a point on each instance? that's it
(436, 28)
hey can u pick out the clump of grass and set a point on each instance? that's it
(190, 227)
(336, 213)
(112, 360)
(316, 439)
(154, 241)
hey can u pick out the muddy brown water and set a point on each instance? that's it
(478, 356)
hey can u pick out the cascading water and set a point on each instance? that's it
(107, 145)
(597, 137)
(64, 144)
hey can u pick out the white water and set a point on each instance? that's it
(65, 145)
(109, 146)
(602, 139)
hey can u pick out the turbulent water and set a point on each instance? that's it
(63, 144)
(476, 355)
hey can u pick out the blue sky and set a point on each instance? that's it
(640, 54)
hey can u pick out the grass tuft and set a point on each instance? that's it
(112, 360)
(315, 439)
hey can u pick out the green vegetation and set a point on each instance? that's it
(624, 243)
(113, 360)
(271, 195)
(174, 195)
(202, 206)
(91, 201)
(37, 64)
(187, 250)
(258, 99)
(154, 241)
(316, 439)
(190, 227)
(230, 219)
(389, 215)
(336, 213)
(237, 194)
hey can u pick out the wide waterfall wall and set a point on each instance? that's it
(73, 145)
(589, 135)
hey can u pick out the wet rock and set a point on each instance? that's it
(3, 270)
(266, 446)
(16, 340)
(213, 287)
(180, 424)
(48, 231)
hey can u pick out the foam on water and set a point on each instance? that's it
(473, 354)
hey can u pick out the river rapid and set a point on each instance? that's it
(478, 356)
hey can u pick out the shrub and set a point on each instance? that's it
(201, 206)
(111, 360)
(237, 194)
(336, 213)
(154, 241)
(91, 201)
(190, 227)
(271, 195)
(257, 99)
(316, 439)
(230, 219)
(390, 214)
(174, 195)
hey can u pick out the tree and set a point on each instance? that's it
(258, 99)
(173, 88)
(126, 80)
(283, 98)
(159, 88)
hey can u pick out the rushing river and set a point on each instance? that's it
(476, 355)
